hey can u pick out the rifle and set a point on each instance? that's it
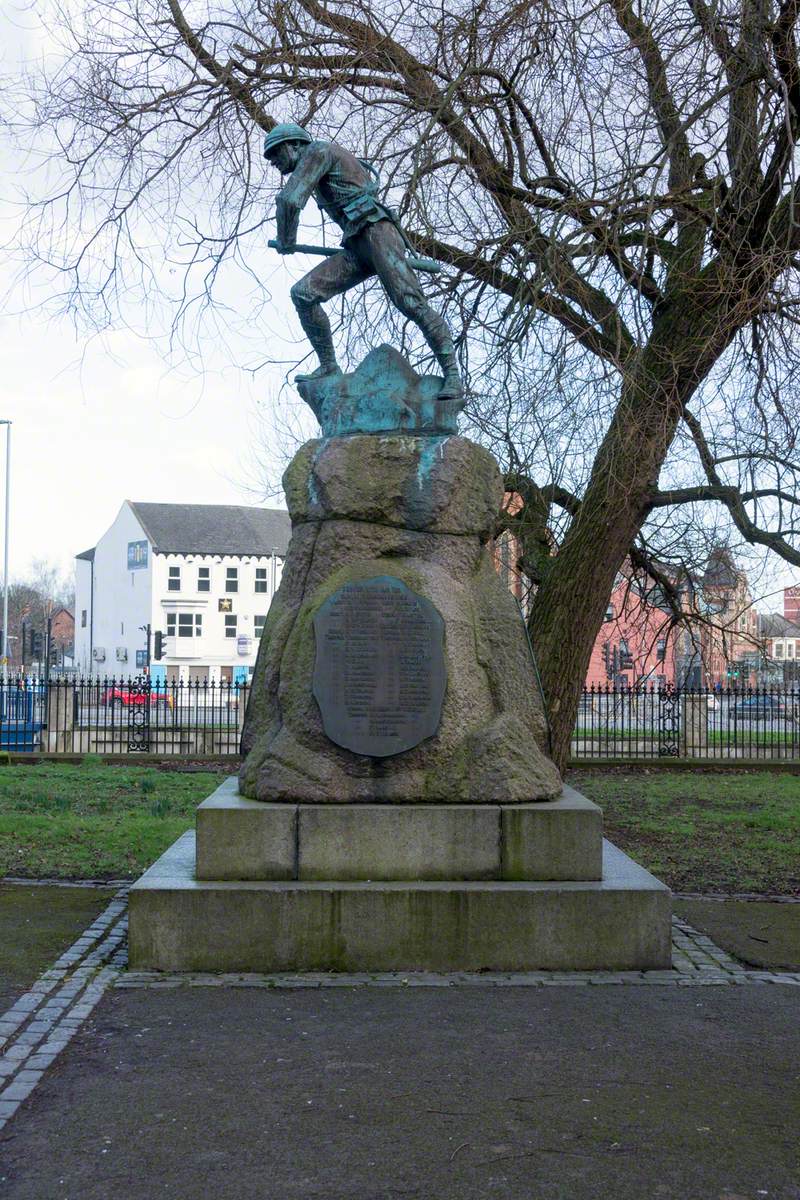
(418, 264)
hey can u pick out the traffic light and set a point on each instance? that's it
(37, 645)
(159, 649)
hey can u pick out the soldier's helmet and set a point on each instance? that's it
(287, 132)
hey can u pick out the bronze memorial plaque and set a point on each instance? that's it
(379, 670)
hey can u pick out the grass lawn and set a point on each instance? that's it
(704, 831)
(93, 821)
(726, 831)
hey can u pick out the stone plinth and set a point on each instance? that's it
(244, 839)
(251, 840)
(419, 510)
(179, 923)
(397, 808)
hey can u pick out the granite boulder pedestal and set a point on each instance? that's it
(397, 808)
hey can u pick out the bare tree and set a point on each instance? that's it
(32, 601)
(612, 186)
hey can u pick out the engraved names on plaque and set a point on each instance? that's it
(379, 668)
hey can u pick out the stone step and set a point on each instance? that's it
(240, 839)
(180, 923)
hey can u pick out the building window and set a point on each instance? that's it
(188, 624)
(790, 649)
(258, 625)
(779, 649)
(232, 579)
(261, 579)
(609, 613)
(661, 650)
(174, 580)
(230, 626)
(204, 579)
(625, 656)
(83, 618)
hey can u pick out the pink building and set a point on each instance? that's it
(633, 648)
(791, 604)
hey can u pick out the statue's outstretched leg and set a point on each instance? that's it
(335, 275)
(386, 251)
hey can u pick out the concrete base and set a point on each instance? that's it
(251, 840)
(179, 923)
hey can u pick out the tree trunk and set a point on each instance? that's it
(571, 602)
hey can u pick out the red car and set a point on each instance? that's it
(120, 697)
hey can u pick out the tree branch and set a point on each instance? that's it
(239, 91)
(734, 502)
(722, 492)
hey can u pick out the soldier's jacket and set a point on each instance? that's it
(343, 186)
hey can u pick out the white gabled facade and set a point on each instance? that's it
(210, 608)
(111, 602)
(213, 632)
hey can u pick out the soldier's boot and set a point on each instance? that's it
(452, 387)
(317, 329)
(437, 335)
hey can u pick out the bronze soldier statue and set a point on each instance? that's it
(373, 243)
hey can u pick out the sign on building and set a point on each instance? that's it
(137, 555)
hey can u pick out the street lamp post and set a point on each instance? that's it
(5, 551)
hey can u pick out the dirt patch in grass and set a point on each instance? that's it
(704, 832)
(37, 923)
(759, 933)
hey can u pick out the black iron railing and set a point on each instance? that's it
(726, 723)
(201, 718)
(122, 716)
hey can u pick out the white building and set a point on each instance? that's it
(203, 575)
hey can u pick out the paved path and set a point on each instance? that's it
(455, 1093)
(681, 1083)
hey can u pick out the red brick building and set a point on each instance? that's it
(637, 646)
(791, 604)
(62, 633)
(633, 648)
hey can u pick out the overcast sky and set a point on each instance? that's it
(96, 422)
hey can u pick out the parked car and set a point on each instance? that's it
(760, 708)
(122, 697)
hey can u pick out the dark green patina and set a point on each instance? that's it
(373, 243)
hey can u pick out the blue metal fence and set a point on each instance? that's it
(23, 712)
